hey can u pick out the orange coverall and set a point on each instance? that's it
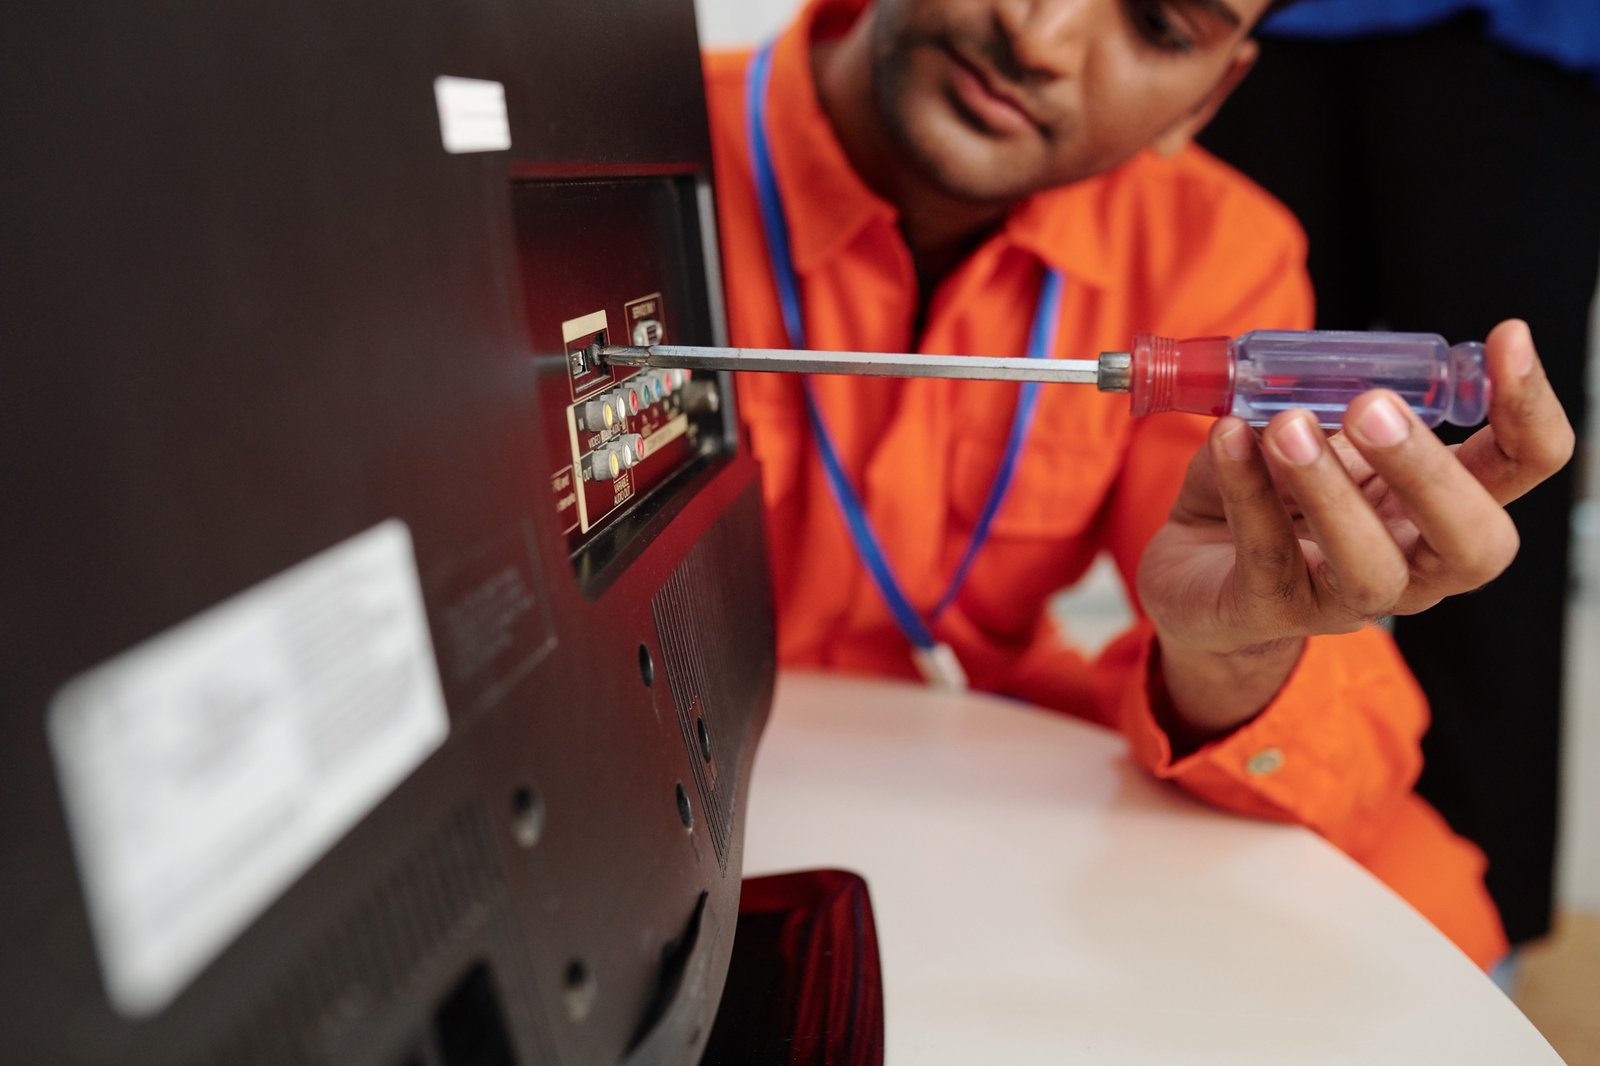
(1181, 246)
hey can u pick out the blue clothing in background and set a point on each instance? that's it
(1565, 32)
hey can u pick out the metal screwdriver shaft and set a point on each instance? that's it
(1109, 372)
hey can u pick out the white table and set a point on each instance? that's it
(1040, 899)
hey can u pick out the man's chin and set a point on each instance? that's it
(972, 165)
(975, 176)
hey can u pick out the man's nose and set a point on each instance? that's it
(1047, 37)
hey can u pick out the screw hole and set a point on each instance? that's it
(527, 816)
(704, 738)
(580, 992)
(647, 667)
(685, 812)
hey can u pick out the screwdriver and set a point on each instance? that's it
(1253, 376)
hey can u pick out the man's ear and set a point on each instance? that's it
(1188, 128)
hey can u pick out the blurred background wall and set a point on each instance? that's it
(727, 23)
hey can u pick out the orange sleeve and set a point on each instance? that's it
(1336, 750)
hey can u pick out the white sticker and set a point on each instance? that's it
(206, 769)
(472, 114)
(573, 328)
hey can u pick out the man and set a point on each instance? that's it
(995, 176)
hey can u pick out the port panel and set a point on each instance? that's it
(619, 434)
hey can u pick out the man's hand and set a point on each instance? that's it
(1297, 534)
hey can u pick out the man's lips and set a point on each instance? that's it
(983, 95)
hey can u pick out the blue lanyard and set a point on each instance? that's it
(1041, 344)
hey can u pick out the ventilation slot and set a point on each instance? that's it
(716, 652)
(378, 952)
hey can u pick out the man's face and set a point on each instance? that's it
(997, 99)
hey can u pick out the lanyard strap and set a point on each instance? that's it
(1041, 345)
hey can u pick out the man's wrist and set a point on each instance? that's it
(1200, 695)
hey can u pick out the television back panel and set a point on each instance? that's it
(370, 694)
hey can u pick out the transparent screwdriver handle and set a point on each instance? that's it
(1267, 371)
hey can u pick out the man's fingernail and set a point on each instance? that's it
(1238, 442)
(1522, 365)
(1299, 441)
(1383, 424)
